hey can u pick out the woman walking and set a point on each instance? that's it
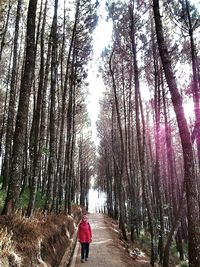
(84, 237)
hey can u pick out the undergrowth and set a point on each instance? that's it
(43, 235)
(6, 242)
(144, 242)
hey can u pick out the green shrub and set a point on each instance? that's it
(184, 264)
(2, 198)
(40, 200)
(24, 199)
(145, 238)
(174, 251)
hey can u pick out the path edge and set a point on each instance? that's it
(67, 257)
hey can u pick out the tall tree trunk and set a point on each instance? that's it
(37, 156)
(3, 41)
(141, 139)
(195, 85)
(195, 89)
(72, 149)
(60, 163)
(121, 163)
(69, 134)
(12, 101)
(81, 173)
(5, 108)
(173, 229)
(22, 115)
(176, 212)
(44, 136)
(189, 171)
(52, 145)
(109, 187)
(116, 201)
(158, 186)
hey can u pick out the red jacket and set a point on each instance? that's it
(84, 232)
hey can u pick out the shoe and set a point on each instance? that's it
(86, 259)
(82, 260)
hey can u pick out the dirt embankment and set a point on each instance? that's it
(38, 242)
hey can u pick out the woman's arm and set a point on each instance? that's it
(90, 230)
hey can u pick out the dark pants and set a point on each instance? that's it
(84, 250)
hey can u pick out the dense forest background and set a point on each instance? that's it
(149, 124)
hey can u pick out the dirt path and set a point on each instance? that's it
(106, 249)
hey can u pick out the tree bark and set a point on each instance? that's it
(189, 171)
(52, 145)
(60, 161)
(37, 156)
(22, 115)
(3, 41)
(141, 139)
(121, 163)
(12, 101)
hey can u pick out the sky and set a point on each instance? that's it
(102, 37)
(96, 201)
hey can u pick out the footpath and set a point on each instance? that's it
(106, 249)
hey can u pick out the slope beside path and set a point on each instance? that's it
(106, 249)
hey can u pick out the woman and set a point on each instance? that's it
(84, 237)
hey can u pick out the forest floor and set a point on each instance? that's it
(106, 248)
